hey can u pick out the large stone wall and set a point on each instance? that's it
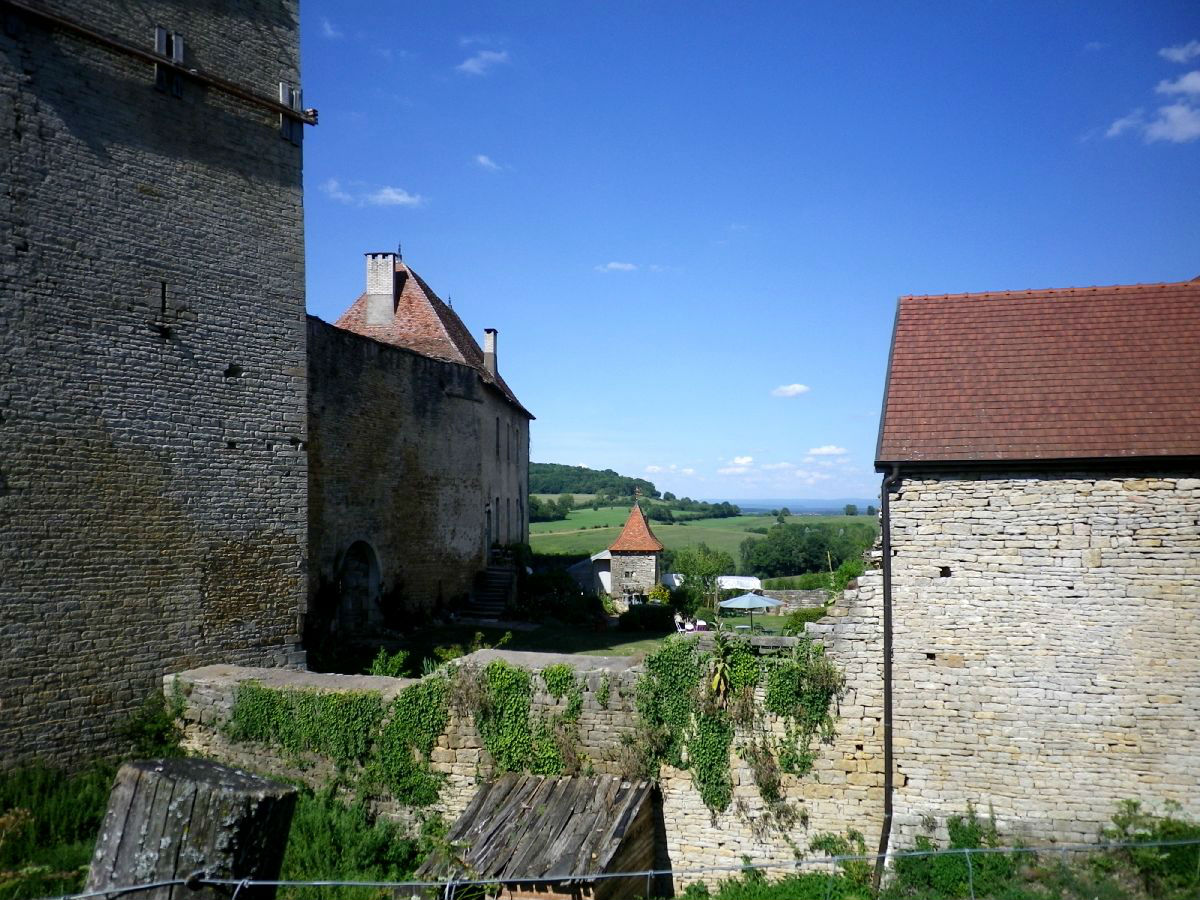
(152, 383)
(1047, 648)
(843, 790)
(403, 457)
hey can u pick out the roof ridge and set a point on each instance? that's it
(636, 535)
(1089, 289)
(439, 307)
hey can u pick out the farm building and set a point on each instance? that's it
(530, 832)
(1041, 555)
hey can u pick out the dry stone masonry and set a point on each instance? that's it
(1047, 648)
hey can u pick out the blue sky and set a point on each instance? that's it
(690, 222)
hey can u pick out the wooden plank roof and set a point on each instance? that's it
(538, 827)
(1078, 373)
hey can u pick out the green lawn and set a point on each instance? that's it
(576, 535)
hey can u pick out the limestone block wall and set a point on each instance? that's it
(152, 382)
(844, 790)
(1047, 648)
(794, 600)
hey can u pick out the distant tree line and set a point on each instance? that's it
(554, 478)
(550, 510)
(687, 509)
(795, 548)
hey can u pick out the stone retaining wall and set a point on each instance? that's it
(843, 790)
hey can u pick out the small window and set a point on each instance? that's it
(290, 128)
(944, 572)
(170, 45)
(497, 437)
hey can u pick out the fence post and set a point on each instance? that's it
(970, 873)
(170, 818)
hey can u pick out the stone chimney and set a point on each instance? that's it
(381, 288)
(489, 351)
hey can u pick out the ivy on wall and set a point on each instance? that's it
(690, 701)
(391, 744)
(690, 706)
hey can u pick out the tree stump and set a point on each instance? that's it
(171, 818)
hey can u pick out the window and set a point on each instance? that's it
(497, 437)
(170, 45)
(290, 129)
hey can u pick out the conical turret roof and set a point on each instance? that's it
(636, 536)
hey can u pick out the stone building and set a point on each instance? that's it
(418, 456)
(635, 558)
(1041, 559)
(152, 375)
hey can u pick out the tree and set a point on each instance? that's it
(851, 509)
(668, 496)
(872, 511)
(700, 566)
(785, 512)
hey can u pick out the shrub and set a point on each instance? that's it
(648, 617)
(391, 665)
(1163, 870)
(793, 626)
(809, 581)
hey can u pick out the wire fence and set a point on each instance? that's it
(832, 865)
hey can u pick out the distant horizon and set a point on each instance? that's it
(795, 503)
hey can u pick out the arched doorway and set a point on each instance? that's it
(358, 589)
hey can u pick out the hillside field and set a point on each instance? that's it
(577, 534)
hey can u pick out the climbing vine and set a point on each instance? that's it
(340, 726)
(689, 703)
(392, 744)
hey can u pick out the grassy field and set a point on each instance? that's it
(577, 534)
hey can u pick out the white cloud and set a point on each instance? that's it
(1184, 84)
(790, 390)
(654, 469)
(778, 465)
(733, 470)
(1134, 120)
(1182, 52)
(486, 162)
(1178, 123)
(688, 471)
(333, 189)
(1093, 46)
(617, 267)
(393, 196)
(481, 62)
(827, 450)
(329, 30)
(743, 460)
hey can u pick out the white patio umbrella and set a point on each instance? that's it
(749, 602)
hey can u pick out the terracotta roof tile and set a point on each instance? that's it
(636, 536)
(1056, 374)
(426, 325)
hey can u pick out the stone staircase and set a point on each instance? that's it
(493, 590)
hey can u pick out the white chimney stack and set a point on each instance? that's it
(381, 288)
(489, 351)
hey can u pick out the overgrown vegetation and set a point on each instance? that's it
(389, 745)
(689, 702)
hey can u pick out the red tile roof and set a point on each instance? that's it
(636, 536)
(1043, 375)
(425, 324)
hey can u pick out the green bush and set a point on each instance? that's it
(947, 877)
(793, 626)
(1165, 871)
(390, 665)
(647, 617)
(331, 840)
(48, 825)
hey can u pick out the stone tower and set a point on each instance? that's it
(636, 555)
(152, 364)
